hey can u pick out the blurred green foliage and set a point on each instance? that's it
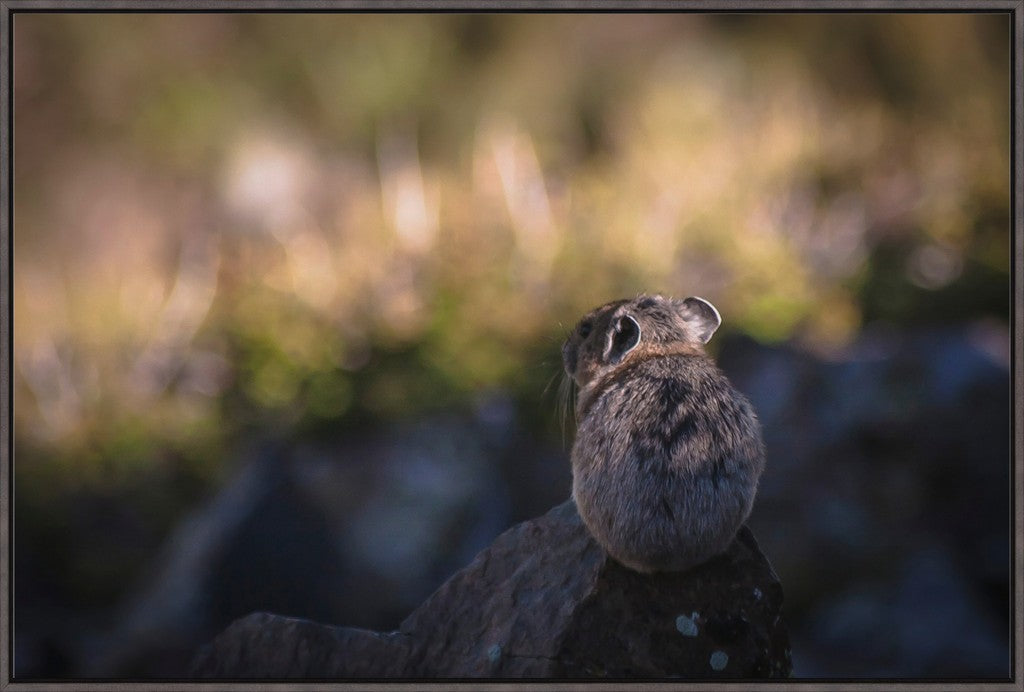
(280, 225)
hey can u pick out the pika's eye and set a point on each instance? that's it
(585, 329)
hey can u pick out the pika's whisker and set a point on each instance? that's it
(565, 402)
(551, 381)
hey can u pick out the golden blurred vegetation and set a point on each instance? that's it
(232, 225)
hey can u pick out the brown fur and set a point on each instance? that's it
(667, 454)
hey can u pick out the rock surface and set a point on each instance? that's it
(542, 601)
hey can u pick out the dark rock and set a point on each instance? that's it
(720, 619)
(262, 645)
(542, 601)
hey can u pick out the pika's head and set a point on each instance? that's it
(609, 337)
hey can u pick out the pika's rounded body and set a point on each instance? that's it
(668, 454)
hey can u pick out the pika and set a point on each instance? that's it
(667, 454)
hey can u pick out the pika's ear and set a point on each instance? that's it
(622, 338)
(702, 316)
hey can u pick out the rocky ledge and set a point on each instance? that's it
(542, 601)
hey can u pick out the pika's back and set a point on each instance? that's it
(667, 453)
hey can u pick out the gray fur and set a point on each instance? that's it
(667, 454)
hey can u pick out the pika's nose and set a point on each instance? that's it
(569, 358)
